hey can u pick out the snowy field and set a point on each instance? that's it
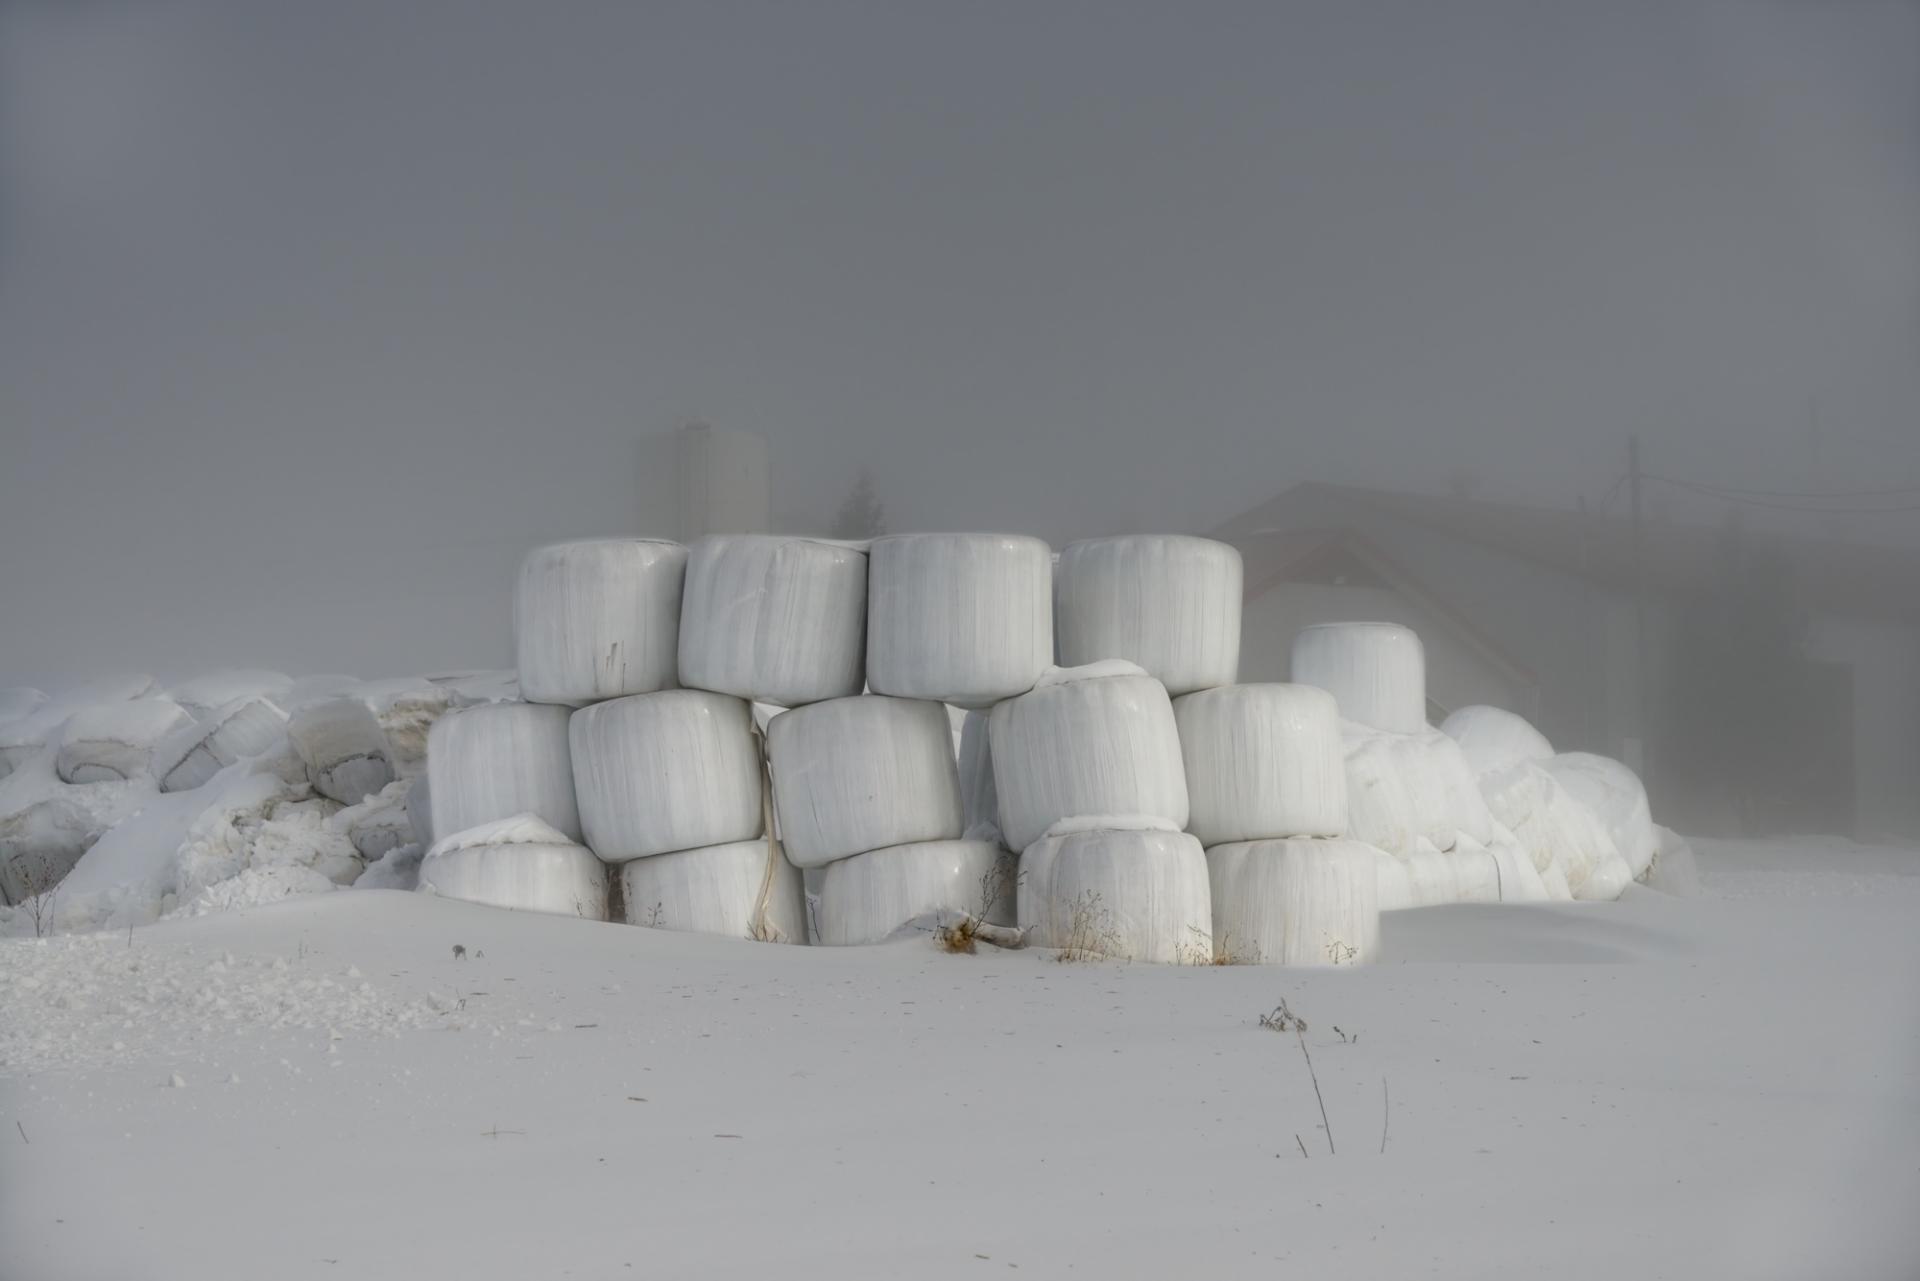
(1718, 1086)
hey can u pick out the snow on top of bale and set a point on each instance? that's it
(520, 829)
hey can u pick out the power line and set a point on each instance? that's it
(1730, 491)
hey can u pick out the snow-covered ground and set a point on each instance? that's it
(1719, 1086)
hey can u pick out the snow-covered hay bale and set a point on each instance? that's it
(1493, 738)
(1402, 788)
(521, 863)
(1616, 797)
(1393, 883)
(496, 760)
(1137, 894)
(871, 896)
(1295, 902)
(979, 802)
(211, 692)
(406, 711)
(962, 618)
(339, 741)
(1377, 672)
(191, 755)
(1496, 871)
(1167, 602)
(862, 773)
(598, 618)
(1565, 839)
(1432, 877)
(776, 620)
(743, 889)
(1262, 761)
(675, 770)
(378, 825)
(116, 740)
(1087, 741)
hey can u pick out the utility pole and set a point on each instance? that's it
(1642, 676)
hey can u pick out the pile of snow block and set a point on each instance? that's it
(965, 619)
(496, 760)
(246, 726)
(115, 741)
(774, 620)
(1166, 602)
(598, 619)
(520, 863)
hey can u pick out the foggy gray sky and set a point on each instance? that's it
(313, 317)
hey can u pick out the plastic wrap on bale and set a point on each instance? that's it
(862, 773)
(1262, 761)
(676, 770)
(1405, 787)
(193, 754)
(1132, 895)
(496, 760)
(598, 619)
(521, 863)
(1376, 672)
(406, 711)
(775, 620)
(1167, 602)
(1493, 738)
(212, 692)
(1555, 829)
(1616, 797)
(1295, 902)
(1393, 883)
(1432, 878)
(965, 619)
(742, 889)
(1495, 871)
(872, 896)
(339, 741)
(115, 741)
(1099, 739)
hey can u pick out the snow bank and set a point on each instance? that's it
(1262, 761)
(960, 618)
(116, 740)
(1168, 602)
(521, 863)
(742, 889)
(871, 896)
(776, 620)
(1131, 895)
(343, 748)
(500, 759)
(675, 770)
(189, 757)
(1295, 902)
(1103, 745)
(862, 773)
(1492, 738)
(1376, 672)
(599, 618)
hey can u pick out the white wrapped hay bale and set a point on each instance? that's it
(743, 889)
(1132, 895)
(598, 618)
(1556, 830)
(1432, 878)
(960, 618)
(496, 760)
(871, 896)
(406, 711)
(675, 770)
(1295, 902)
(115, 741)
(1086, 741)
(1392, 882)
(862, 773)
(1617, 798)
(776, 620)
(1262, 761)
(1380, 808)
(212, 692)
(1406, 787)
(194, 753)
(979, 802)
(520, 863)
(1493, 738)
(1377, 672)
(340, 742)
(1499, 870)
(1168, 602)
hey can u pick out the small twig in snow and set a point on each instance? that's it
(23, 1134)
(1303, 1144)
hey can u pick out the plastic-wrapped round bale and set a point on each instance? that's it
(1295, 902)
(1393, 883)
(598, 618)
(1087, 741)
(870, 896)
(193, 754)
(340, 742)
(1136, 894)
(743, 889)
(1498, 871)
(862, 773)
(496, 760)
(1377, 672)
(1557, 831)
(1168, 602)
(212, 692)
(962, 618)
(1432, 878)
(776, 620)
(1405, 787)
(1617, 798)
(1493, 738)
(116, 740)
(518, 862)
(1262, 761)
(676, 770)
